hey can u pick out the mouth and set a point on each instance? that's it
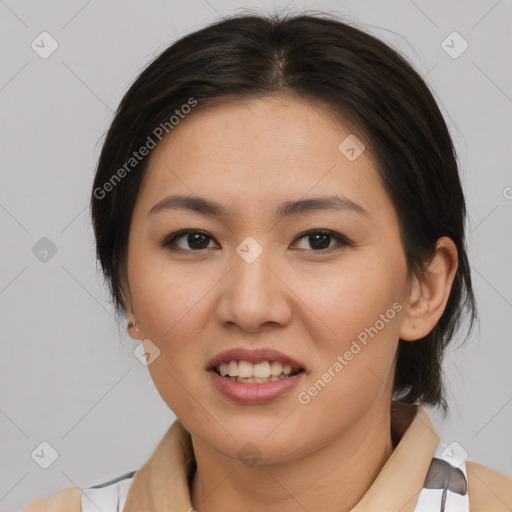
(255, 376)
(254, 366)
(261, 372)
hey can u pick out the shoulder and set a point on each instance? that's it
(489, 490)
(67, 499)
(107, 496)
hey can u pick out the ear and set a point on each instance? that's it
(126, 297)
(428, 298)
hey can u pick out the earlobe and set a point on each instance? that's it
(429, 297)
(413, 319)
(132, 327)
(133, 330)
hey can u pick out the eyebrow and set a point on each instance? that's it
(208, 207)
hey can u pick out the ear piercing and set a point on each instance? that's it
(132, 324)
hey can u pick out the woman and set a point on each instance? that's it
(278, 212)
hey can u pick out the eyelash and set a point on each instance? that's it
(170, 240)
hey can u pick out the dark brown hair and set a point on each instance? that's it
(367, 85)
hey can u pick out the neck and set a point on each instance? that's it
(333, 478)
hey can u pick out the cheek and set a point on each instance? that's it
(353, 296)
(356, 342)
(165, 295)
(169, 304)
(354, 357)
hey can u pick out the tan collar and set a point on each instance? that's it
(162, 483)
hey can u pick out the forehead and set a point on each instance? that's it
(261, 151)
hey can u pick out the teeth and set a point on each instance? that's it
(264, 371)
(276, 368)
(233, 368)
(245, 369)
(252, 380)
(223, 369)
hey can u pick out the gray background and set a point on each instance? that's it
(68, 374)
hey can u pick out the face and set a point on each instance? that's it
(323, 285)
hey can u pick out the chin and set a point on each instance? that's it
(267, 439)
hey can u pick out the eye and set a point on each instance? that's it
(196, 240)
(319, 240)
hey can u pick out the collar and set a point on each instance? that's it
(162, 483)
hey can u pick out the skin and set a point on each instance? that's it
(192, 303)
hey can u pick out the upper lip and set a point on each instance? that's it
(254, 356)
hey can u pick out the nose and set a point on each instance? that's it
(253, 295)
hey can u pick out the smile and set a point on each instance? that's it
(249, 373)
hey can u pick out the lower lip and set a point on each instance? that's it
(254, 393)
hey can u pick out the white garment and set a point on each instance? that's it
(429, 500)
(111, 496)
(107, 497)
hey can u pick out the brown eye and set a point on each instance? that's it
(190, 241)
(195, 241)
(321, 240)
